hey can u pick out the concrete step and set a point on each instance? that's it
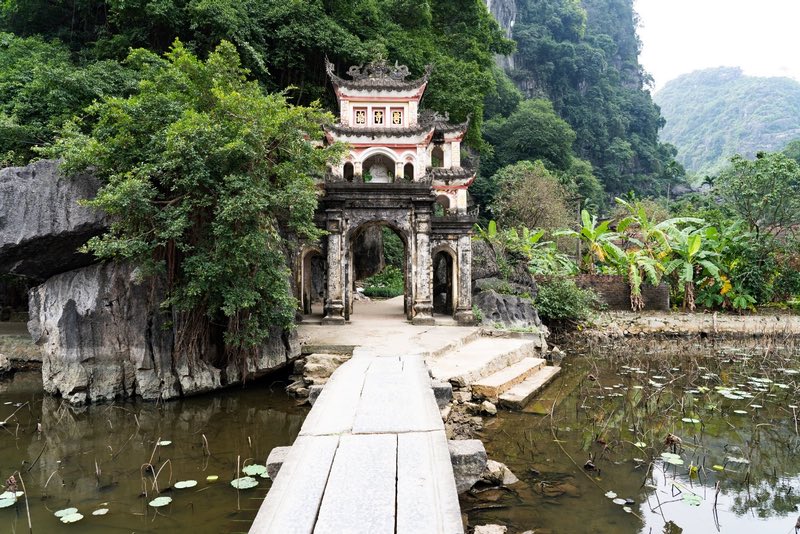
(498, 383)
(518, 396)
(484, 356)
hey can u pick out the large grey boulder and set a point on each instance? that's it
(103, 336)
(484, 260)
(509, 310)
(41, 223)
(469, 460)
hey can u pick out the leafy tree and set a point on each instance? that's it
(41, 88)
(529, 195)
(532, 132)
(204, 176)
(764, 192)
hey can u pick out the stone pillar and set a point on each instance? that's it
(455, 153)
(423, 291)
(464, 305)
(398, 171)
(357, 171)
(447, 157)
(334, 292)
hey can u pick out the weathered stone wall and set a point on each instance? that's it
(616, 294)
(41, 223)
(103, 336)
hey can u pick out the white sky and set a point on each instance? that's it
(680, 36)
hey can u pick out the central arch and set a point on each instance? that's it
(356, 278)
(445, 275)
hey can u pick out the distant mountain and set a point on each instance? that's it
(715, 113)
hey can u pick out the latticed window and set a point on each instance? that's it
(361, 116)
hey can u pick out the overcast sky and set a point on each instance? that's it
(679, 36)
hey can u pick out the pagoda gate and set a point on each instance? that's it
(403, 170)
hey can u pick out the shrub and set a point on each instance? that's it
(561, 301)
(386, 284)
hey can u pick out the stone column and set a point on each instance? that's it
(464, 313)
(423, 292)
(334, 292)
(455, 153)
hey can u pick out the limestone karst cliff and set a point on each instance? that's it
(41, 223)
(100, 326)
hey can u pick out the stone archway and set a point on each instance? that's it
(311, 280)
(354, 243)
(445, 277)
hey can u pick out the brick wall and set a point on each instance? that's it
(615, 293)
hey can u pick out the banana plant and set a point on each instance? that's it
(637, 265)
(655, 236)
(691, 260)
(598, 239)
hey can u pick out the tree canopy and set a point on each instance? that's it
(205, 175)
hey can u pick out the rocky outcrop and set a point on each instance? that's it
(41, 223)
(505, 13)
(509, 310)
(103, 336)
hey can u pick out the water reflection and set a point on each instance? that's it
(96, 457)
(732, 410)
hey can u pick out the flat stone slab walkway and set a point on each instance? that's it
(372, 457)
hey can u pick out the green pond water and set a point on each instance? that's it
(612, 406)
(735, 470)
(97, 457)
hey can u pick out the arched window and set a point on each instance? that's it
(442, 205)
(437, 157)
(408, 172)
(348, 171)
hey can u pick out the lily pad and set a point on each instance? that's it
(692, 499)
(737, 460)
(11, 494)
(640, 444)
(158, 502)
(100, 511)
(691, 420)
(5, 503)
(619, 501)
(184, 484)
(212, 478)
(740, 412)
(672, 458)
(254, 470)
(72, 518)
(164, 443)
(611, 495)
(627, 509)
(717, 467)
(66, 512)
(244, 483)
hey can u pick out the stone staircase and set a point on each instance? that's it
(504, 370)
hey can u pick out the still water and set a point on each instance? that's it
(725, 417)
(99, 457)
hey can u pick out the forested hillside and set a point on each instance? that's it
(716, 113)
(583, 56)
(583, 109)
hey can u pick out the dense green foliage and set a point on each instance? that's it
(386, 284)
(529, 195)
(204, 173)
(41, 88)
(764, 192)
(285, 42)
(583, 56)
(716, 113)
(559, 300)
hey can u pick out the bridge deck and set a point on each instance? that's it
(372, 457)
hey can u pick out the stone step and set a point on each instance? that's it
(498, 383)
(518, 396)
(482, 357)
